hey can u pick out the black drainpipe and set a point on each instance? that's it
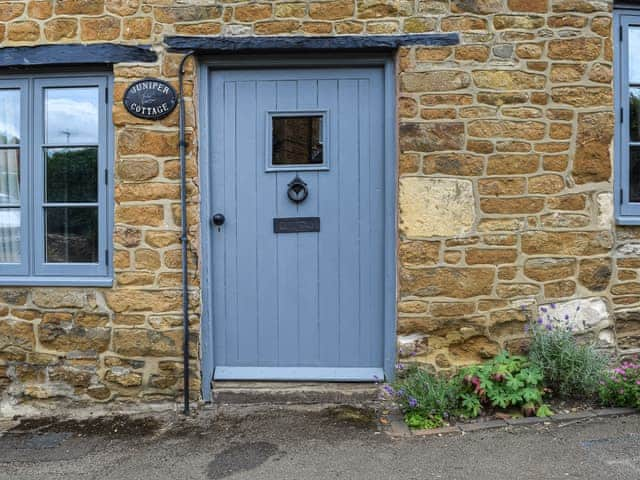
(184, 238)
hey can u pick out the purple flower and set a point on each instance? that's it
(544, 309)
(413, 403)
(549, 327)
(566, 317)
(553, 305)
(540, 320)
(389, 389)
(578, 308)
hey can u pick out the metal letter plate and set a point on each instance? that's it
(296, 224)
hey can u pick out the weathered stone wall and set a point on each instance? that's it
(504, 192)
(505, 187)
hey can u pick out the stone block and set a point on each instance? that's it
(431, 137)
(26, 31)
(253, 12)
(546, 269)
(434, 81)
(463, 24)
(452, 282)
(419, 253)
(59, 297)
(579, 96)
(455, 164)
(477, 6)
(61, 29)
(508, 80)
(137, 28)
(122, 7)
(528, 130)
(100, 28)
(592, 161)
(580, 314)
(435, 207)
(491, 256)
(186, 13)
(79, 7)
(332, 10)
(567, 243)
(595, 273)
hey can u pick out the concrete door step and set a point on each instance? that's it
(289, 393)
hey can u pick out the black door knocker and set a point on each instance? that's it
(298, 191)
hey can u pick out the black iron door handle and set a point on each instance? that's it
(218, 219)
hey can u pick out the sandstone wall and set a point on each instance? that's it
(504, 192)
(505, 182)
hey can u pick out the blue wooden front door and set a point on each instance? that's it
(298, 281)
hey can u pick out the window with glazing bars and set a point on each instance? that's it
(54, 176)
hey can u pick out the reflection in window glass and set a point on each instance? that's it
(10, 177)
(634, 174)
(71, 234)
(297, 140)
(634, 110)
(634, 47)
(9, 116)
(71, 116)
(9, 235)
(10, 201)
(72, 174)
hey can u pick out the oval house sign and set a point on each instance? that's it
(150, 98)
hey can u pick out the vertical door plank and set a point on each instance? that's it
(366, 296)
(329, 246)
(229, 229)
(288, 307)
(247, 200)
(348, 185)
(266, 241)
(220, 130)
(308, 273)
(377, 202)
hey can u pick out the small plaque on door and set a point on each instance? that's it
(296, 225)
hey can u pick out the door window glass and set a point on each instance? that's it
(297, 140)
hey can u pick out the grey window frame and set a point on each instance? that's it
(626, 212)
(33, 270)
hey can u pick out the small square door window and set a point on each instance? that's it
(297, 140)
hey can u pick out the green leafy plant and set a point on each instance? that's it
(504, 382)
(622, 387)
(571, 369)
(426, 399)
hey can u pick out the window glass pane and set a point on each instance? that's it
(297, 140)
(634, 110)
(71, 234)
(634, 174)
(10, 177)
(9, 116)
(72, 174)
(634, 45)
(9, 235)
(71, 115)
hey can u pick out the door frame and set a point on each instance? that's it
(227, 62)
